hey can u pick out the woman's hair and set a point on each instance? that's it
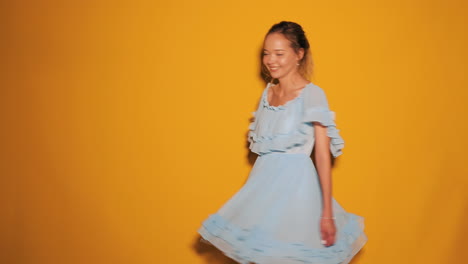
(296, 35)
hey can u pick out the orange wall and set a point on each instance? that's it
(124, 123)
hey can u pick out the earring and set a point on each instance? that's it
(298, 64)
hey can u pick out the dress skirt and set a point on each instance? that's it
(275, 217)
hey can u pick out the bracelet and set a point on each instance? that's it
(328, 217)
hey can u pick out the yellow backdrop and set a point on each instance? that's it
(124, 123)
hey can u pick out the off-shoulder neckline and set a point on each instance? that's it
(282, 106)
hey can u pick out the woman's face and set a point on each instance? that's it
(279, 58)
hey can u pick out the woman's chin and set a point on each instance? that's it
(275, 75)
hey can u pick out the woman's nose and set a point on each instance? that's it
(270, 60)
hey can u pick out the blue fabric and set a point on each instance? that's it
(286, 127)
(275, 216)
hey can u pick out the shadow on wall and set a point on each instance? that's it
(459, 249)
(211, 254)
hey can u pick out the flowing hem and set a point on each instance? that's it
(253, 245)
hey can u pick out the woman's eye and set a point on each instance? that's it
(279, 54)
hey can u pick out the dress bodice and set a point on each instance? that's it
(288, 128)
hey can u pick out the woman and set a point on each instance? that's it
(285, 212)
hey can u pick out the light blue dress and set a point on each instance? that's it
(275, 217)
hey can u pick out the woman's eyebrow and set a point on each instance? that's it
(274, 49)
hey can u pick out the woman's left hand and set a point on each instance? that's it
(328, 231)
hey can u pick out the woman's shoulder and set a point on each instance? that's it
(315, 96)
(314, 87)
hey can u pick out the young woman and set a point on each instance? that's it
(285, 213)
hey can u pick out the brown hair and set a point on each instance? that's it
(296, 35)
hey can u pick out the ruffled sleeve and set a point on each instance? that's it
(255, 114)
(316, 110)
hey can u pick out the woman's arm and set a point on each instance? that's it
(323, 163)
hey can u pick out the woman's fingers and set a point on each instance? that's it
(328, 238)
(331, 236)
(328, 233)
(324, 236)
